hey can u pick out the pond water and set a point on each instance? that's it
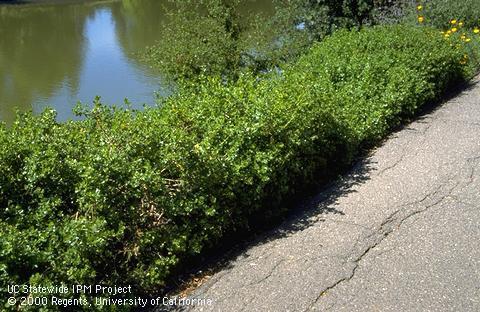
(54, 54)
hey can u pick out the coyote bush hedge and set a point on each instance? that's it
(124, 197)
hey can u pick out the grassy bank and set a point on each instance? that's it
(124, 197)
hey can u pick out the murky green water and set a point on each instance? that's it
(55, 54)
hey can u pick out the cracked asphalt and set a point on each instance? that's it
(400, 232)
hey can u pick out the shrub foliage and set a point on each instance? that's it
(207, 37)
(123, 197)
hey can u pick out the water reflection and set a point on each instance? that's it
(108, 70)
(29, 40)
(138, 22)
(55, 55)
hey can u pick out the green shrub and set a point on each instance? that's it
(207, 37)
(125, 197)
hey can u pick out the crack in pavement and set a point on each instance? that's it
(395, 164)
(405, 149)
(386, 228)
(268, 275)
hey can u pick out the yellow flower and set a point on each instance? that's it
(420, 7)
(476, 30)
(453, 22)
(468, 40)
(463, 37)
(454, 29)
(460, 24)
(421, 19)
(449, 31)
